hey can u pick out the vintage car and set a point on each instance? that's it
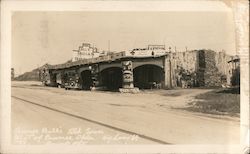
(72, 81)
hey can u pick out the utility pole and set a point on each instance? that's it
(109, 45)
(20, 71)
(170, 68)
(186, 48)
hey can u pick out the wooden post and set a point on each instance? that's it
(167, 70)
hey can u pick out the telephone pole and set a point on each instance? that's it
(109, 45)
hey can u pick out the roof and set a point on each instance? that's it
(106, 58)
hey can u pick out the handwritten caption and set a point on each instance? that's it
(72, 136)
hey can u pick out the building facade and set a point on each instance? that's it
(151, 67)
(86, 51)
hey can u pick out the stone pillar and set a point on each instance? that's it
(127, 72)
(168, 72)
(94, 75)
(128, 78)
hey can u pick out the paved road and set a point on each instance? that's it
(34, 124)
(147, 114)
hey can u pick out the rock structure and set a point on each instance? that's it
(196, 68)
(128, 85)
(201, 68)
(94, 76)
(209, 75)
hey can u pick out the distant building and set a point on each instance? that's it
(86, 51)
(12, 73)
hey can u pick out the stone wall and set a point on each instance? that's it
(222, 62)
(182, 61)
(199, 68)
(207, 66)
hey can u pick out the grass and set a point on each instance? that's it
(218, 101)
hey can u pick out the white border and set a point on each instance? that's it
(7, 7)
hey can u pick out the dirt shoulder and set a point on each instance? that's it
(216, 103)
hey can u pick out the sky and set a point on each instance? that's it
(50, 37)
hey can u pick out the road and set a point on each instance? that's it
(149, 117)
(60, 128)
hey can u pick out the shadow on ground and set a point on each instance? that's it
(235, 90)
(217, 101)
